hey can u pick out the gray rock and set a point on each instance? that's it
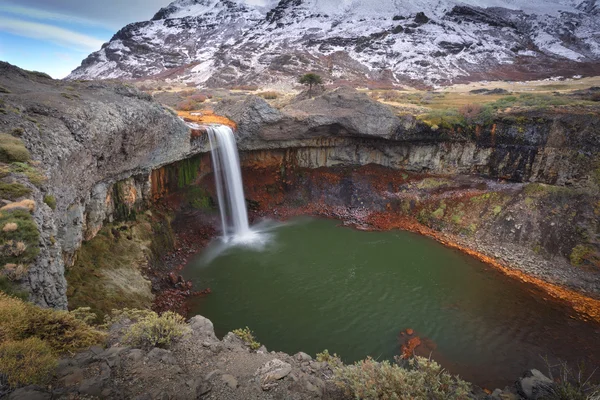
(92, 386)
(30, 393)
(203, 329)
(262, 350)
(302, 357)
(271, 372)
(203, 389)
(161, 355)
(534, 385)
(72, 379)
(230, 381)
(135, 355)
(233, 341)
(109, 133)
(212, 373)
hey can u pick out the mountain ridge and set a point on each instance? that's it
(224, 43)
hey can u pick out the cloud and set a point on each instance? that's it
(60, 36)
(39, 14)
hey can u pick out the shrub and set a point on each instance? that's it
(152, 330)
(32, 173)
(333, 360)
(248, 337)
(198, 98)
(424, 379)
(12, 149)
(186, 105)
(9, 288)
(27, 362)
(12, 191)
(444, 118)
(61, 330)
(50, 201)
(26, 233)
(470, 111)
(571, 384)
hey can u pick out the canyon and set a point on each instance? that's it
(519, 191)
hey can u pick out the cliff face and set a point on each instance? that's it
(84, 136)
(345, 127)
(98, 143)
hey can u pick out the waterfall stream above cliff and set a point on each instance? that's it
(228, 180)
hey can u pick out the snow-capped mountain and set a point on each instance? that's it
(228, 43)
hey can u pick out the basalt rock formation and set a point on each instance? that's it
(105, 149)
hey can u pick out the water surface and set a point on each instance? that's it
(316, 285)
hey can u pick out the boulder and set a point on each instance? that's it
(343, 112)
(230, 381)
(271, 372)
(30, 393)
(534, 385)
(203, 329)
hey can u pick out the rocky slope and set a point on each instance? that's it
(220, 43)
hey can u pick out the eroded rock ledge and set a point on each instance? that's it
(98, 144)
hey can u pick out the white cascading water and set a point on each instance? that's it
(228, 179)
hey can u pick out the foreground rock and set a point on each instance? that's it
(198, 367)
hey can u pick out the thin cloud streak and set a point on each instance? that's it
(39, 14)
(60, 36)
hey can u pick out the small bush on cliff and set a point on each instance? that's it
(12, 149)
(21, 245)
(332, 359)
(150, 329)
(50, 201)
(27, 362)
(424, 379)
(12, 191)
(248, 337)
(60, 330)
(32, 173)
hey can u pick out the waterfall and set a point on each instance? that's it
(228, 179)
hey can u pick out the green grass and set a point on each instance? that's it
(26, 233)
(248, 337)
(12, 191)
(50, 201)
(106, 274)
(12, 149)
(32, 173)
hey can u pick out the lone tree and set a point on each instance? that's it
(310, 80)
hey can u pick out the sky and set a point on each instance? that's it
(54, 36)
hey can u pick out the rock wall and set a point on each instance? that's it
(85, 136)
(99, 143)
(347, 127)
